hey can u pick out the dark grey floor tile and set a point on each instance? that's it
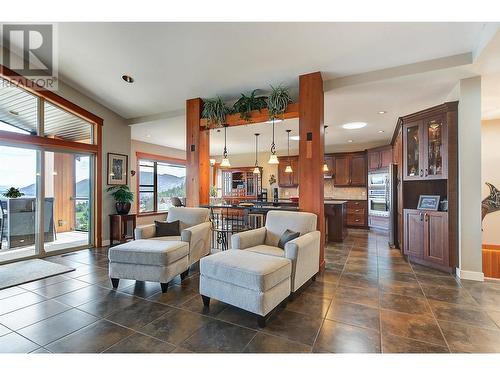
(319, 288)
(19, 301)
(264, 343)
(337, 337)
(238, 316)
(293, 326)
(462, 314)
(4, 330)
(196, 305)
(175, 326)
(368, 297)
(14, 343)
(92, 339)
(139, 343)
(104, 306)
(57, 326)
(54, 290)
(143, 289)
(406, 304)
(84, 295)
(43, 282)
(219, 337)
(26, 316)
(139, 314)
(354, 314)
(309, 304)
(12, 291)
(396, 344)
(40, 351)
(464, 338)
(176, 295)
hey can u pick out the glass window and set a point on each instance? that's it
(64, 125)
(18, 109)
(158, 183)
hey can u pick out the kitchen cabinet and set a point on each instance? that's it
(425, 149)
(336, 221)
(357, 213)
(240, 183)
(288, 179)
(350, 169)
(426, 236)
(380, 157)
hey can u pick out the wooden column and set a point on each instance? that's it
(197, 156)
(311, 151)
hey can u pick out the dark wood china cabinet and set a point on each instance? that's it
(240, 183)
(426, 151)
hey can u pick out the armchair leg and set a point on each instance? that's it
(206, 300)
(164, 287)
(115, 282)
(184, 274)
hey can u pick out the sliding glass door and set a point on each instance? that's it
(49, 160)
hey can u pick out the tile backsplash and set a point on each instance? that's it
(331, 191)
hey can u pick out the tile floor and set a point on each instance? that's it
(368, 300)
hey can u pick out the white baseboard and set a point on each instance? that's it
(470, 275)
(105, 242)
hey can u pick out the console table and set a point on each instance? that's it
(121, 228)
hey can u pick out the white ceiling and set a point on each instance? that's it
(172, 62)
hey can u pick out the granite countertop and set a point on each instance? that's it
(334, 201)
(345, 199)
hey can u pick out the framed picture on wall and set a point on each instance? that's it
(117, 169)
(428, 202)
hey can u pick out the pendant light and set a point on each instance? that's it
(256, 170)
(288, 168)
(325, 165)
(225, 161)
(273, 159)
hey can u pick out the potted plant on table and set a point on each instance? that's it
(13, 193)
(123, 198)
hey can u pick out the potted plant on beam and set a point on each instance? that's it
(123, 198)
(13, 193)
(215, 111)
(278, 101)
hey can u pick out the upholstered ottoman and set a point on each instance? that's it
(148, 260)
(248, 280)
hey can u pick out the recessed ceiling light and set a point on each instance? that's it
(127, 78)
(354, 125)
(381, 131)
(382, 112)
(295, 138)
(349, 140)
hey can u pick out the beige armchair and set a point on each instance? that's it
(302, 251)
(195, 228)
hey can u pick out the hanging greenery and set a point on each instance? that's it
(278, 101)
(215, 111)
(245, 104)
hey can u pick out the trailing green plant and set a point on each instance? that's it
(121, 193)
(13, 193)
(245, 104)
(278, 101)
(213, 191)
(215, 111)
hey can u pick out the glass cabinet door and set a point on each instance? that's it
(413, 167)
(435, 165)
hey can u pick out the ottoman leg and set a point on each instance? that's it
(261, 320)
(206, 300)
(184, 274)
(115, 282)
(164, 287)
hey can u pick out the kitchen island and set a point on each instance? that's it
(336, 220)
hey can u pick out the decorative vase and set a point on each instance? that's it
(122, 208)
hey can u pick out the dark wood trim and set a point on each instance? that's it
(30, 86)
(256, 116)
(311, 152)
(52, 143)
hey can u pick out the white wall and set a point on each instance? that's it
(490, 172)
(115, 138)
(138, 146)
(469, 151)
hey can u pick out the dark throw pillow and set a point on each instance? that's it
(167, 229)
(287, 236)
